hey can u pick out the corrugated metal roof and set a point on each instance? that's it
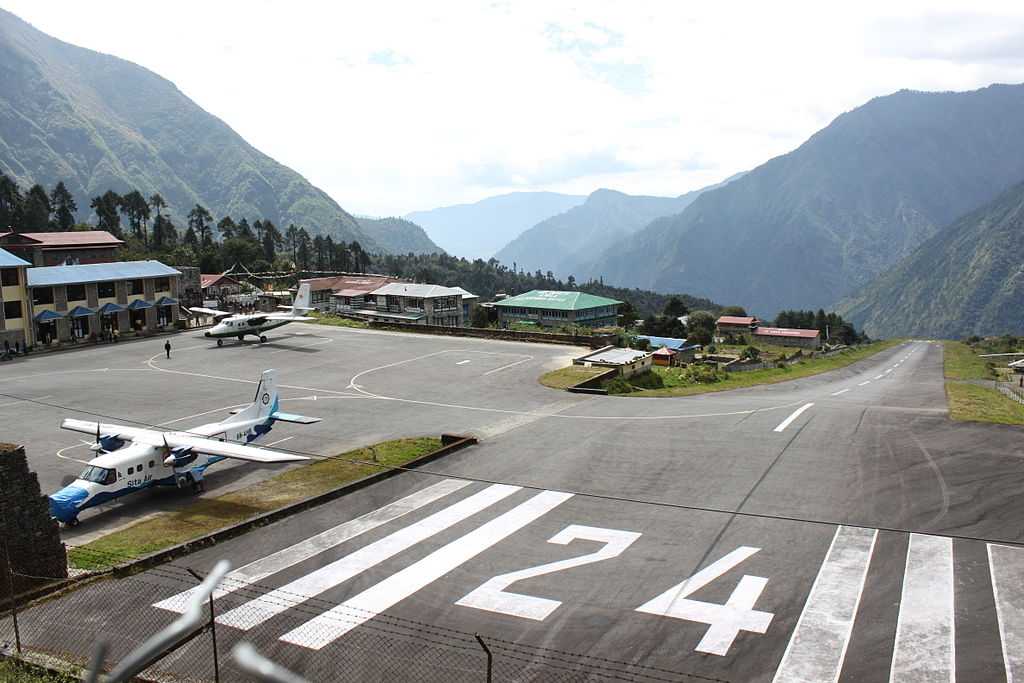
(9, 260)
(410, 289)
(671, 342)
(736, 320)
(71, 238)
(97, 272)
(465, 294)
(557, 301)
(616, 356)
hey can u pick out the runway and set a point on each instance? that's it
(837, 527)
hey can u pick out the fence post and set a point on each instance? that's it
(213, 629)
(490, 658)
(14, 604)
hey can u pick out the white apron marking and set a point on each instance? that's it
(925, 637)
(841, 391)
(796, 413)
(817, 648)
(279, 600)
(1007, 567)
(256, 571)
(331, 625)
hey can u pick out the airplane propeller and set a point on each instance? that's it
(97, 446)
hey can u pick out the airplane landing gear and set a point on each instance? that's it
(263, 338)
(241, 337)
(71, 524)
(220, 342)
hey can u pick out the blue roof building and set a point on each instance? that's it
(670, 342)
(9, 260)
(98, 272)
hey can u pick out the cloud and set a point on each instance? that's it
(400, 105)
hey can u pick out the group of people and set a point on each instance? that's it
(10, 352)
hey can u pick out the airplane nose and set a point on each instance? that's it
(64, 503)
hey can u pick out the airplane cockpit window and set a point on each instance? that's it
(98, 475)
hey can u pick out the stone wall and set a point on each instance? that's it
(32, 537)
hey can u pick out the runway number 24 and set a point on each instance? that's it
(724, 621)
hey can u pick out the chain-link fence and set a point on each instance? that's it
(346, 644)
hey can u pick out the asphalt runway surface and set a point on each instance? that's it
(838, 527)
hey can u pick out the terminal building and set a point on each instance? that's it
(75, 302)
(15, 325)
(552, 308)
(405, 302)
(62, 248)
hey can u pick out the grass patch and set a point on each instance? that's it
(679, 382)
(563, 378)
(970, 402)
(16, 672)
(336, 320)
(205, 515)
(960, 361)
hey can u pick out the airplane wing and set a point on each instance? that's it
(152, 437)
(290, 318)
(211, 311)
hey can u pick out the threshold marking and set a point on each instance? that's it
(280, 600)
(841, 391)
(925, 637)
(796, 413)
(256, 571)
(817, 648)
(1006, 565)
(336, 622)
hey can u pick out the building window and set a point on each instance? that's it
(42, 295)
(76, 292)
(163, 284)
(105, 290)
(9, 277)
(136, 287)
(12, 310)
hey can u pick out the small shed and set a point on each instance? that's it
(664, 356)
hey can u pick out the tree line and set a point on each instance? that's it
(151, 234)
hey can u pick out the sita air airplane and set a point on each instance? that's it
(231, 325)
(130, 459)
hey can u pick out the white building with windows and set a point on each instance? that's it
(405, 302)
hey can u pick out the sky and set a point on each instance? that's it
(393, 107)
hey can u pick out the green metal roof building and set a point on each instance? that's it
(551, 308)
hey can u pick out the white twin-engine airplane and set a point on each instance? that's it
(133, 458)
(232, 325)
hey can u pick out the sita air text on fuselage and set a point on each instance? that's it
(131, 459)
(255, 324)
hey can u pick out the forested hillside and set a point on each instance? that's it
(398, 236)
(967, 280)
(807, 228)
(98, 123)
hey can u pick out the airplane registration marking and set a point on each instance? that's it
(492, 596)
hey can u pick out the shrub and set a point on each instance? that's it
(702, 374)
(618, 386)
(751, 353)
(711, 349)
(647, 380)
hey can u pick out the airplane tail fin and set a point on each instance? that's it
(302, 300)
(266, 395)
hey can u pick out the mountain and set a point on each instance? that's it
(805, 229)
(97, 122)
(968, 279)
(479, 230)
(568, 243)
(398, 236)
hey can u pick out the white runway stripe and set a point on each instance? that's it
(329, 626)
(1007, 567)
(925, 636)
(796, 413)
(818, 645)
(256, 571)
(334, 574)
(879, 376)
(864, 383)
(841, 391)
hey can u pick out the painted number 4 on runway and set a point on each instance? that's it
(724, 621)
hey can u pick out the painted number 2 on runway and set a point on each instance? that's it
(724, 621)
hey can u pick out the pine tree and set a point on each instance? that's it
(36, 210)
(199, 220)
(10, 204)
(64, 207)
(227, 228)
(107, 207)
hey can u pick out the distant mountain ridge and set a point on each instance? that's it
(968, 279)
(398, 236)
(569, 243)
(811, 226)
(97, 122)
(480, 229)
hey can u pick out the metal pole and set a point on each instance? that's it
(14, 604)
(213, 630)
(490, 658)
